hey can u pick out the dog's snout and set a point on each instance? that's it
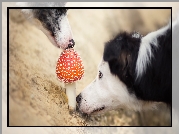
(78, 99)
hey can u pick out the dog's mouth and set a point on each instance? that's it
(98, 110)
(88, 112)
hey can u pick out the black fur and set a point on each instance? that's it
(121, 53)
(155, 83)
(49, 18)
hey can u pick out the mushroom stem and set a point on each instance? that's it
(71, 94)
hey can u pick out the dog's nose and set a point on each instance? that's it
(78, 99)
(71, 43)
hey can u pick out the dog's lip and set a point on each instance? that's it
(98, 110)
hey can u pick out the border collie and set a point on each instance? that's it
(135, 72)
(53, 22)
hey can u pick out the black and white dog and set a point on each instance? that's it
(53, 22)
(135, 72)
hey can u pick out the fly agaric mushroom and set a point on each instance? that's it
(69, 69)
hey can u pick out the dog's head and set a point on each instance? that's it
(113, 85)
(53, 22)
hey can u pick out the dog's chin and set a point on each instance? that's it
(99, 110)
(102, 112)
(95, 111)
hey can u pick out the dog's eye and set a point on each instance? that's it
(100, 75)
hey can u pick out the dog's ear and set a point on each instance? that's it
(118, 58)
(125, 60)
(119, 64)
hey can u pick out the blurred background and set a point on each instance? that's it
(36, 96)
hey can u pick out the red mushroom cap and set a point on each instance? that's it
(69, 66)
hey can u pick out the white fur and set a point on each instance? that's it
(108, 91)
(145, 53)
(63, 36)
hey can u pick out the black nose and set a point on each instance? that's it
(71, 44)
(78, 99)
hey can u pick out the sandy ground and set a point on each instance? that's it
(36, 96)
